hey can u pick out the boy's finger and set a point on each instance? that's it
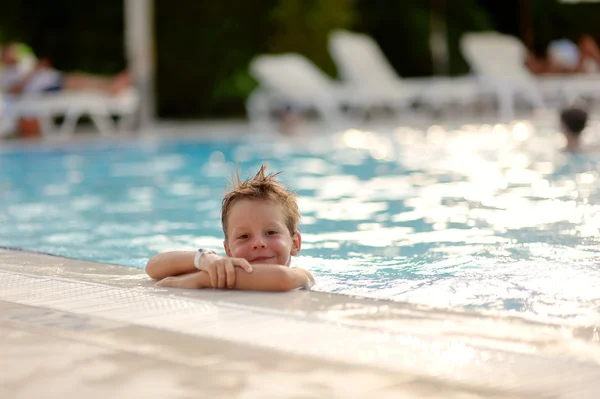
(213, 278)
(244, 264)
(165, 282)
(230, 274)
(221, 276)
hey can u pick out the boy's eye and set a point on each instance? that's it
(243, 236)
(271, 232)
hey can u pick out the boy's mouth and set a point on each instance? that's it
(260, 259)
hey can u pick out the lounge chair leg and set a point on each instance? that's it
(103, 123)
(46, 124)
(69, 124)
(258, 109)
(126, 123)
(506, 102)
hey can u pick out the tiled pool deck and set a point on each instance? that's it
(79, 329)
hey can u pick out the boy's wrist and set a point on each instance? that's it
(203, 280)
(200, 255)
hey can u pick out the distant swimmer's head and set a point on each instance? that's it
(572, 122)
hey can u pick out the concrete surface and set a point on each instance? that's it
(80, 329)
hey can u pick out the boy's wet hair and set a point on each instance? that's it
(574, 119)
(263, 187)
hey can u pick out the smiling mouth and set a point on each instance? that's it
(261, 259)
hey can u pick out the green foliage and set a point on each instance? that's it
(11, 23)
(77, 35)
(205, 48)
(303, 26)
(463, 16)
(401, 29)
(203, 53)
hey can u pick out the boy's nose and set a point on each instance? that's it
(259, 243)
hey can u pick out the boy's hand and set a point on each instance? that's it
(190, 280)
(221, 269)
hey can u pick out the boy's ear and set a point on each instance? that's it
(226, 247)
(296, 243)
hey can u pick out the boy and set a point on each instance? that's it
(573, 121)
(260, 222)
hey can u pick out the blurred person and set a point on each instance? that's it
(565, 57)
(12, 72)
(260, 225)
(572, 123)
(589, 60)
(45, 78)
(539, 62)
(289, 117)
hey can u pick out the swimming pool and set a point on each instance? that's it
(482, 217)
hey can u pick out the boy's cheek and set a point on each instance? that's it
(238, 251)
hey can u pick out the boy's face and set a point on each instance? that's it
(257, 232)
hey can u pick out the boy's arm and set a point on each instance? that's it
(169, 264)
(304, 277)
(221, 269)
(272, 278)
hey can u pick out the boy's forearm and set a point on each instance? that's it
(169, 264)
(269, 278)
(274, 278)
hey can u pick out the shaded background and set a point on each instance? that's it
(203, 48)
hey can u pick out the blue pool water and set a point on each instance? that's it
(486, 217)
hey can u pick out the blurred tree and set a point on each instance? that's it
(463, 16)
(203, 50)
(11, 23)
(86, 36)
(303, 26)
(214, 43)
(402, 29)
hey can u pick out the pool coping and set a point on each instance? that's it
(418, 334)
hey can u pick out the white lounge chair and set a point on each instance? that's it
(568, 89)
(499, 62)
(362, 63)
(291, 79)
(99, 107)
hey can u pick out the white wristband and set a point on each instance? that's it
(199, 255)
